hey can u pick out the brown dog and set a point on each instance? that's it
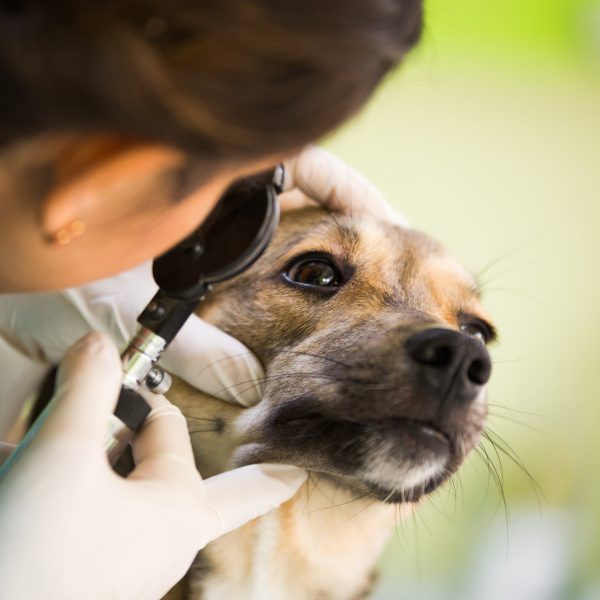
(373, 341)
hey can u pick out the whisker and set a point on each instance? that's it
(422, 519)
(514, 249)
(481, 285)
(499, 484)
(319, 356)
(485, 459)
(512, 360)
(309, 374)
(340, 504)
(494, 447)
(315, 483)
(366, 507)
(502, 446)
(211, 425)
(517, 422)
(522, 294)
(516, 410)
(224, 359)
(206, 430)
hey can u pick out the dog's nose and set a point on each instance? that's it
(451, 362)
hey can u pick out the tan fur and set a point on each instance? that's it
(321, 540)
(323, 543)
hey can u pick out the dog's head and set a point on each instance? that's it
(373, 340)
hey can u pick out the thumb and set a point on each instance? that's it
(87, 387)
(239, 496)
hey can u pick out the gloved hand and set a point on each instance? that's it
(43, 326)
(316, 176)
(71, 528)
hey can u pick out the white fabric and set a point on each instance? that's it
(110, 537)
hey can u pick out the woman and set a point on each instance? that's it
(123, 123)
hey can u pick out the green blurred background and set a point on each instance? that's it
(489, 139)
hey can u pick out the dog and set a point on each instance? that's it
(373, 340)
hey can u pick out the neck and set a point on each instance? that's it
(320, 544)
(323, 543)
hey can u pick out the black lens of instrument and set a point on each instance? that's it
(233, 236)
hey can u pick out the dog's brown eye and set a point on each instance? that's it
(314, 272)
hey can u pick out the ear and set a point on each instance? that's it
(64, 205)
(87, 169)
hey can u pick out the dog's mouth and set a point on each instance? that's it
(394, 459)
(426, 434)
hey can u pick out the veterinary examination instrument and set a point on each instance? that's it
(230, 240)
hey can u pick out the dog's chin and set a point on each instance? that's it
(395, 460)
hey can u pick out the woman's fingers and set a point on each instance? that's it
(239, 496)
(294, 200)
(163, 447)
(336, 186)
(72, 428)
(87, 387)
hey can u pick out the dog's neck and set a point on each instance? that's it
(323, 543)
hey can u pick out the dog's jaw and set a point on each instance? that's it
(395, 460)
(401, 480)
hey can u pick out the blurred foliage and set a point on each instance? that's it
(509, 29)
(489, 139)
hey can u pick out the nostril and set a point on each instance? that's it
(450, 366)
(435, 356)
(434, 347)
(479, 371)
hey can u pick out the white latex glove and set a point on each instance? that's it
(70, 528)
(42, 326)
(317, 176)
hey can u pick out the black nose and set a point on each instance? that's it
(452, 362)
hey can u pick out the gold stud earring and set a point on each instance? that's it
(65, 235)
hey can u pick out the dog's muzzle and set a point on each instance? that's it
(395, 423)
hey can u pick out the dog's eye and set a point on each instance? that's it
(478, 330)
(314, 272)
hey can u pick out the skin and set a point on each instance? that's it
(122, 190)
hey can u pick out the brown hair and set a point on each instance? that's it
(225, 80)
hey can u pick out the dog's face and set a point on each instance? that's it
(373, 340)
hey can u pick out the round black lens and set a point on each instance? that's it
(233, 236)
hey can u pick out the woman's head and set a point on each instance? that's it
(195, 93)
